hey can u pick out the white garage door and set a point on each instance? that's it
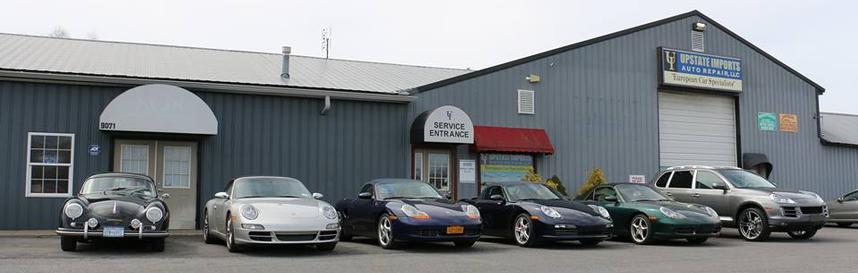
(696, 129)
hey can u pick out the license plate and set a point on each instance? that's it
(114, 232)
(455, 230)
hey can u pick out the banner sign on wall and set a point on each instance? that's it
(504, 167)
(788, 123)
(696, 70)
(467, 171)
(637, 179)
(767, 121)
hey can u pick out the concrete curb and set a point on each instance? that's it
(41, 233)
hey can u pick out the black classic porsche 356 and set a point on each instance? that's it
(531, 213)
(115, 206)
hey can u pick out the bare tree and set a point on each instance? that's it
(59, 32)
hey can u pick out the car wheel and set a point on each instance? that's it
(753, 225)
(803, 234)
(844, 224)
(326, 246)
(640, 230)
(590, 242)
(157, 244)
(522, 231)
(464, 243)
(207, 236)
(230, 237)
(385, 232)
(697, 241)
(345, 229)
(68, 243)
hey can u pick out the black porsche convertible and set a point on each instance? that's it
(531, 213)
(115, 206)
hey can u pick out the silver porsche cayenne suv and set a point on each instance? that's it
(746, 200)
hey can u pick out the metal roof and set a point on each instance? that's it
(122, 59)
(839, 128)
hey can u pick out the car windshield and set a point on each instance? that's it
(119, 186)
(745, 179)
(406, 190)
(634, 193)
(530, 191)
(261, 187)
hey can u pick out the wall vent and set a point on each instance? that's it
(697, 41)
(526, 102)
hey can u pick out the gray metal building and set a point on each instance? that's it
(193, 118)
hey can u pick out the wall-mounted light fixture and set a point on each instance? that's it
(699, 26)
(533, 78)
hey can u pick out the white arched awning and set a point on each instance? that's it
(158, 108)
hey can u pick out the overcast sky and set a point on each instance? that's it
(814, 37)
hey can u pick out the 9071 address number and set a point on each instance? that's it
(107, 126)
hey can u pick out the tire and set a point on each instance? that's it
(844, 225)
(157, 244)
(753, 225)
(522, 231)
(697, 241)
(207, 236)
(326, 247)
(230, 237)
(345, 230)
(590, 242)
(464, 243)
(68, 243)
(640, 230)
(384, 233)
(804, 234)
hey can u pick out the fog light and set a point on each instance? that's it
(332, 226)
(252, 226)
(92, 223)
(135, 224)
(609, 225)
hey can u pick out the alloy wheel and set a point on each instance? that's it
(206, 227)
(229, 234)
(385, 232)
(751, 224)
(521, 230)
(640, 229)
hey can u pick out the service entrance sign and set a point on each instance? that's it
(696, 70)
(445, 124)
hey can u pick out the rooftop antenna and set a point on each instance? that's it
(326, 41)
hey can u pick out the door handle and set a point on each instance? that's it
(669, 194)
(215, 206)
(695, 195)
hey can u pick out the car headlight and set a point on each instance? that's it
(73, 210)
(671, 213)
(818, 198)
(471, 211)
(781, 199)
(550, 212)
(413, 212)
(601, 210)
(711, 212)
(329, 212)
(154, 214)
(249, 212)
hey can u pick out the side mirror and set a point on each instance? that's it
(610, 198)
(165, 196)
(365, 195)
(840, 200)
(221, 195)
(496, 197)
(719, 186)
(448, 196)
(317, 195)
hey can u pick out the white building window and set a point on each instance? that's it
(177, 167)
(50, 159)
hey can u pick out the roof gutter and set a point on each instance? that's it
(270, 90)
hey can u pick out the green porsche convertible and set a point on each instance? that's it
(646, 215)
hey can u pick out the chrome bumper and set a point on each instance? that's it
(86, 234)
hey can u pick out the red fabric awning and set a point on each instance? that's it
(506, 139)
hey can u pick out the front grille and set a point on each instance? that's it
(790, 212)
(327, 235)
(427, 232)
(585, 231)
(260, 236)
(702, 229)
(811, 210)
(295, 237)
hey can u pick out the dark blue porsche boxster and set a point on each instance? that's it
(404, 210)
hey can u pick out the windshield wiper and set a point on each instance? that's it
(288, 196)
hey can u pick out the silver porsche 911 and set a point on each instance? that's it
(270, 210)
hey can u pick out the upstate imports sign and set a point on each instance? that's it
(447, 124)
(696, 70)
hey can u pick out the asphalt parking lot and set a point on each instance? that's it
(832, 250)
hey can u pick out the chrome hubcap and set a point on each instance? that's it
(522, 230)
(384, 231)
(229, 236)
(751, 225)
(640, 229)
(206, 227)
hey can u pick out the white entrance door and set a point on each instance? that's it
(172, 165)
(696, 129)
(434, 167)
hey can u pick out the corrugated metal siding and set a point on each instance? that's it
(259, 135)
(598, 104)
